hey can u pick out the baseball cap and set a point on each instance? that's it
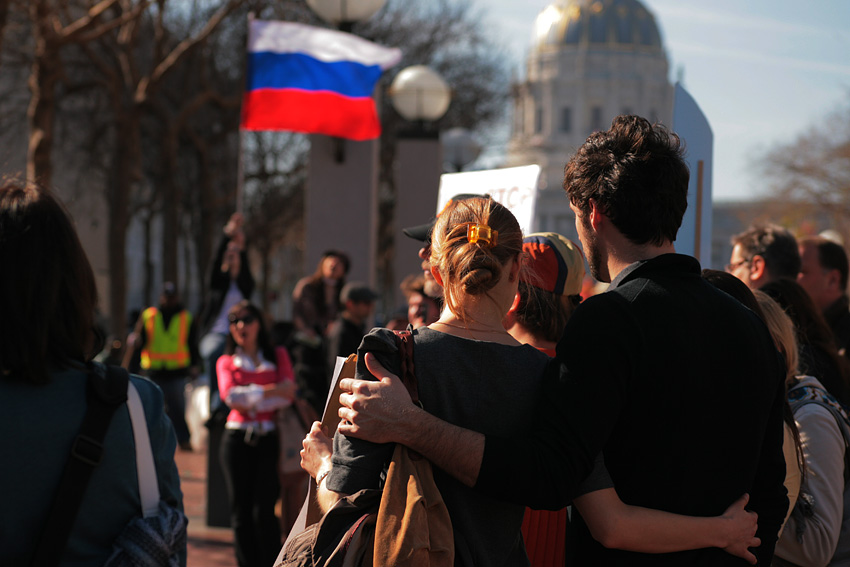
(357, 292)
(422, 232)
(556, 261)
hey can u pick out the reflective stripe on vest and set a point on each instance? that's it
(166, 348)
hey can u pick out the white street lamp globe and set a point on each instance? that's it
(420, 94)
(460, 147)
(345, 11)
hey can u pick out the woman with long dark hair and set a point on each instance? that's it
(315, 304)
(815, 532)
(819, 356)
(48, 299)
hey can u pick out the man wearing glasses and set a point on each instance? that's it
(762, 254)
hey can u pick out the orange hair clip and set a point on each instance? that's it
(481, 233)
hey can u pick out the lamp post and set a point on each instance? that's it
(420, 96)
(345, 13)
(342, 177)
(459, 147)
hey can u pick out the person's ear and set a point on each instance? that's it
(513, 273)
(515, 304)
(758, 268)
(833, 280)
(596, 215)
(437, 277)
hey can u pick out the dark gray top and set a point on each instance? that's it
(483, 386)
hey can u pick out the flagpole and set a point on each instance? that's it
(240, 162)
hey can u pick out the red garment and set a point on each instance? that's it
(545, 535)
(229, 376)
(545, 532)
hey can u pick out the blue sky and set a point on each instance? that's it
(763, 71)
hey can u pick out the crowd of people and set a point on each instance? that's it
(683, 417)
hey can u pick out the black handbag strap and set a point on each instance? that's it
(106, 391)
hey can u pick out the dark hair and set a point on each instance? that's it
(636, 174)
(264, 343)
(775, 244)
(472, 268)
(48, 294)
(812, 329)
(724, 281)
(831, 256)
(543, 313)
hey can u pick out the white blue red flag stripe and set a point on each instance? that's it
(314, 80)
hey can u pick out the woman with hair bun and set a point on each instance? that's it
(476, 256)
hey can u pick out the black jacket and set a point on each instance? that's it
(681, 388)
(219, 283)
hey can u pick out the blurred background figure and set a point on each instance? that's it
(169, 355)
(762, 254)
(48, 299)
(255, 380)
(315, 304)
(346, 332)
(818, 354)
(422, 307)
(230, 282)
(816, 531)
(823, 274)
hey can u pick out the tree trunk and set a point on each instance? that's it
(148, 289)
(170, 205)
(42, 108)
(122, 177)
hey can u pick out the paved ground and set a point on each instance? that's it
(208, 547)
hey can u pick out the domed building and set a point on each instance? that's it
(590, 60)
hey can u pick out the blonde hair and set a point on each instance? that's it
(782, 330)
(467, 268)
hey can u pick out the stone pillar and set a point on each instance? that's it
(417, 175)
(341, 210)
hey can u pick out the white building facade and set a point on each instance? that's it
(590, 60)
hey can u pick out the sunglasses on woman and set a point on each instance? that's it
(245, 319)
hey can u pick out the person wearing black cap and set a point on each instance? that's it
(168, 339)
(422, 233)
(346, 332)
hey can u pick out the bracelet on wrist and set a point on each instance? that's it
(321, 476)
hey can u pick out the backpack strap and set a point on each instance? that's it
(106, 391)
(843, 426)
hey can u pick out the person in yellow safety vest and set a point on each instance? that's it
(167, 335)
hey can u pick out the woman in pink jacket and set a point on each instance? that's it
(255, 380)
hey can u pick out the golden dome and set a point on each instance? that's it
(611, 23)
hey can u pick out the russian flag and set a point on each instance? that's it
(314, 80)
